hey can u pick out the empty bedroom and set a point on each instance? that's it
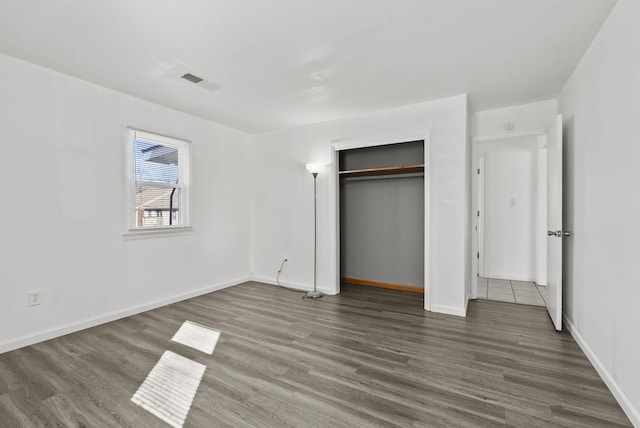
(357, 213)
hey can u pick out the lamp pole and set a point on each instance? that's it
(313, 169)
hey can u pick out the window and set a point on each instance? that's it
(158, 182)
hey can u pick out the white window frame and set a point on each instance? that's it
(184, 164)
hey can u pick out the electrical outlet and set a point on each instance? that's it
(33, 297)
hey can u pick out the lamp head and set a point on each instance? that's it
(313, 168)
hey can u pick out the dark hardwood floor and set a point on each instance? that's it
(369, 357)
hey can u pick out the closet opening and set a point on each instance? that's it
(382, 216)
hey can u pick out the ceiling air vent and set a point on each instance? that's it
(191, 78)
(199, 81)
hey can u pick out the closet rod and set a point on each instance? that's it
(389, 170)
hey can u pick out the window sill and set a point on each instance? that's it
(157, 232)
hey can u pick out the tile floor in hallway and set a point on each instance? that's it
(504, 290)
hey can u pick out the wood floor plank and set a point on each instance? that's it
(12, 415)
(368, 357)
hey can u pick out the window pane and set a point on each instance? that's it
(158, 175)
(155, 162)
(157, 206)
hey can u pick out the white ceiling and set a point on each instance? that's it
(283, 63)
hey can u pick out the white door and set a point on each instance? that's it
(554, 223)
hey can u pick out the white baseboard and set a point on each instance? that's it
(289, 284)
(632, 413)
(54, 332)
(449, 310)
(507, 277)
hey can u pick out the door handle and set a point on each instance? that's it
(558, 233)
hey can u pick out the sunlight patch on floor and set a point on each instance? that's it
(197, 336)
(170, 388)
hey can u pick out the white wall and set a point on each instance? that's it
(524, 117)
(284, 195)
(601, 106)
(510, 208)
(470, 258)
(63, 151)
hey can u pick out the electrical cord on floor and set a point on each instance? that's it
(282, 286)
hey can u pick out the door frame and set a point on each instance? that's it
(334, 203)
(475, 197)
(480, 218)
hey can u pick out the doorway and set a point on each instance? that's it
(511, 219)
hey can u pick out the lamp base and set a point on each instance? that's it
(314, 294)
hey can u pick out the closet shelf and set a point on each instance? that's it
(390, 170)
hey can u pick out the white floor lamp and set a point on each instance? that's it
(313, 170)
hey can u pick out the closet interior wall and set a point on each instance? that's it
(382, 216)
